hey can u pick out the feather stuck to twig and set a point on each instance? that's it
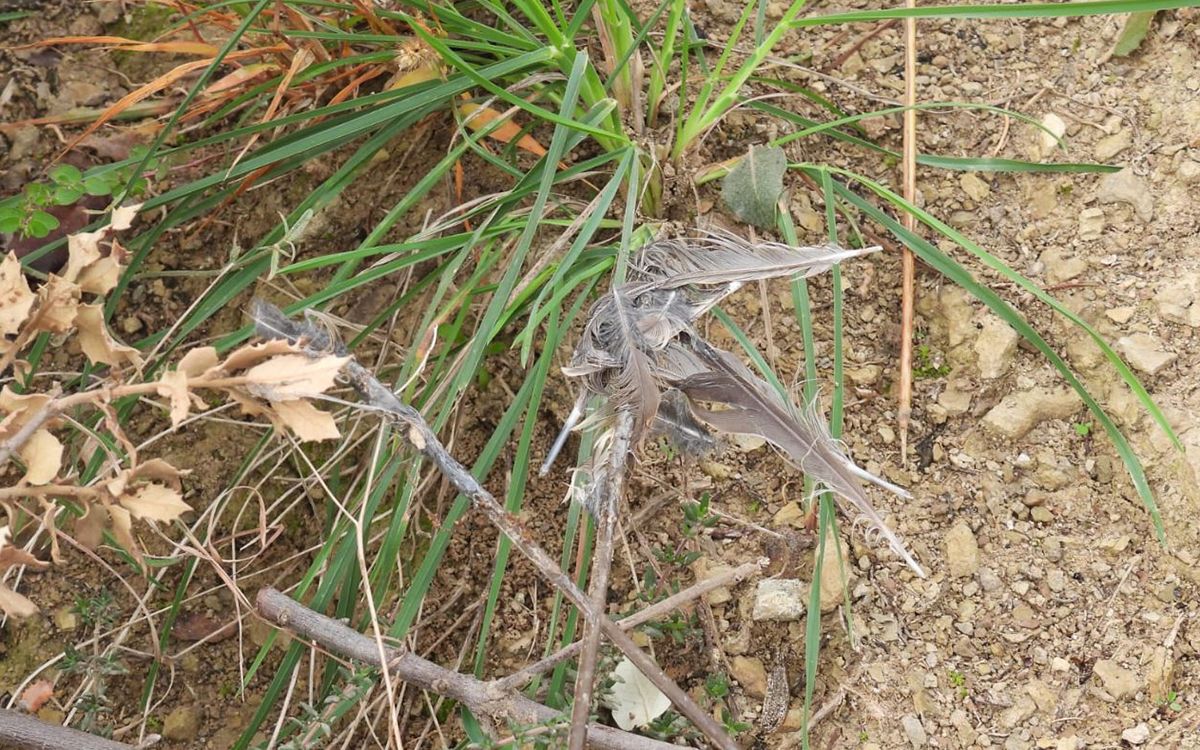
(641, 353)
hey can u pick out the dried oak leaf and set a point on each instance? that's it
(17, 409)
(83, 250)
(58, 304)
(16, 298)
(97, 344)
(122, 529)
(42, 455)
(293, 376)
(12, 603)
(173, 385)
(252, 354)
(155, 502)
(199, 361)
(306, 420)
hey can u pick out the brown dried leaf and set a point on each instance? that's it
(155, 502)
(174, 385)
(58, 303)
(84, 250)
(293, 376)
(42, 455)
(35, 696)
(89, 529)
(122, 528)
(156, 469)
(18, 409)
(98, 345)
(252, 354)
(306, 420)
(101, 276)
(199, 361)
(11, 554)
(16, 298)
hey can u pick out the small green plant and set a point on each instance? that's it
(959, 681)
(1083, 429)
(929, 365)
(26, 213)
(697, 516)
(716, 685)
(1172, 702)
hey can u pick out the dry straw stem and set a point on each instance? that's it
(483, 698)
(907, 260)
(21, 732)
(317, 342)
(606, 506)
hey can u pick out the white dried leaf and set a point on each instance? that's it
(199, 361)
(252, 354)
(15, 605)
(97, 344)
(155, 502)
(100, 277)
(122, 217)
(58, 304)
(83, 249)
(306, 420)
(292, 376)
(16, 299)
(634, 700)
(42, 455)
(173, 385)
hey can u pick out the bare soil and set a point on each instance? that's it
(1050, 618)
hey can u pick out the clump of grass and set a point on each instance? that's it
(581, 142)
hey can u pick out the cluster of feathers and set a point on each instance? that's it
(642, 355)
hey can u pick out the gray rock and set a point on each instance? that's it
(914, 731)
(996, 345)
(1110, 146)
(1136, 735)
(1117, 681)
(1179, 299)
(962, 551)
(1145, 352)
(780, 600)
(974, 187)
(1017, 413)
(1061, 267)
(1091, 223)
(1126, 187)
(750, 673)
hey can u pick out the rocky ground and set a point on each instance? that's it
(1051, 617)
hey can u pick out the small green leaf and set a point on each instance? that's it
(10, 221)
(65, 195)
(1132, 34)
(752, 188)
(96, 186)
(38, 194)
(42, 224)
(65, 174)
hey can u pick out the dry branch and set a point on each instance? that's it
(483, 698)
(654, 611)
(606, 507)
(20, 731)
(317, 342)
(908, 264)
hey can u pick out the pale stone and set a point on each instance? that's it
(1145, 353)
(996, 345)
(1110, 146)
(962, 551)
(750, 674)
(1117, 681)
(973, 186)
(1017, 413)
(1126, 187)
(780, 600)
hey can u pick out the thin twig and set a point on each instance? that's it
(315, 341)
(481, 697)
(23, 732)
(907, 261)
(653, 612)
(606, 521)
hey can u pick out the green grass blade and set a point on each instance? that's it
(954, 271)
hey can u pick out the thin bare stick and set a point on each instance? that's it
(481, 697)
(606, 521)
(23, 732)
(653, 612)
(315, 341)
(907, 261)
